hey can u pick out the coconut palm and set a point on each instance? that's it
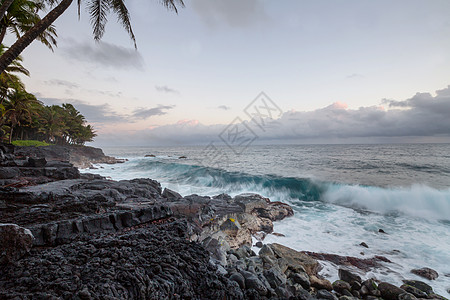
(21, 16)
(19, 109)
(52, 123)
(98, 10)
(9, 80)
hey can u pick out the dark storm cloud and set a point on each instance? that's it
(236, 13)
(165, 89)
(104, 54)
(144, 113)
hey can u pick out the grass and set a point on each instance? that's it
(30, 143)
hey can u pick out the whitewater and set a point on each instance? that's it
(342, 196)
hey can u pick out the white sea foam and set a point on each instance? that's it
(345, 216)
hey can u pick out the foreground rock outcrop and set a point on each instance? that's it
(156, 262)
(81, 236)
(80, 156)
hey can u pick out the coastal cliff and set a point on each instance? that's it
(80, 236)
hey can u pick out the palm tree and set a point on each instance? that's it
(19, 109)
(9, 80)
(52, 123)
(21, 17)
(98, 10)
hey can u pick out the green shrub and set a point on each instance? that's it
(30, 143)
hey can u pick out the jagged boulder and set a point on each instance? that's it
(296, 261)
(389, 291)
(427, 273)
(15, 242)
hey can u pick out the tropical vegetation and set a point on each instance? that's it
(23, 116)
(41, 28)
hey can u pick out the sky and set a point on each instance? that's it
(330, 72)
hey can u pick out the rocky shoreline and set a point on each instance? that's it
(66, 235)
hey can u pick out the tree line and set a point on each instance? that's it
(24, 117)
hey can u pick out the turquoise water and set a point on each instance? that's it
(341, 194)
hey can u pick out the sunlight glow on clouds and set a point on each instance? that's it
(426, 116)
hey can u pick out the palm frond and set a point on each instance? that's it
(172, 4)
(123, 17)
(98, 10)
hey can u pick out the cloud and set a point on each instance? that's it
(223, 107)
(97, 114)
(63, 83)
(421, 118)
(235, 13)
(165, 89)
(144, 113)
(104, 54)
(355, 76)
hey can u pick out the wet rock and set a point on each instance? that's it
(369, 286)
(274, 211)
(436, 297)
(15, 242)
(37, 162)
(406, 296)
(9, 172)
(253, 282)
(153, 262)
(230, 227)
(364, 245)
(413, 290)
(347, 298)
(244, 252)
(249, 201)
(324, 294)
(302, 279)
(426, 273)
(356, 294)
(275, 277)
(320, 283)
(149, 155)
(381, 231)
(356, 286)
(419, 285)
(237, 277)
(266, 251)
(301, 293)
(283, 293)
(171, 195)
(389, 291)
(363, 264)
(340, 286)
(259, 244)
(348, 276)
(295, 260)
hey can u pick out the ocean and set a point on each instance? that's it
(341, 194)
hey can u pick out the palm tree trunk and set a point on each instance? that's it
(6, 4)
(2, 33)
(32, 34)
(11, 133)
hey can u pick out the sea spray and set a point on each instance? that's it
(340, 200)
